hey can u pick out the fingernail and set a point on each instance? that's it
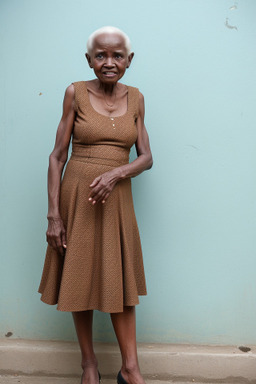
(94, 202)
(103, 201)
(90, 199)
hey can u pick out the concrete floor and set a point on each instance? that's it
(41, 362)
(15, 379)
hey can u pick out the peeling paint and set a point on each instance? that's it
(40, 94)
(230, 26)
(8, 334)
(233, 7)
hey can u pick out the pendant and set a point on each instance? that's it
(113, 123)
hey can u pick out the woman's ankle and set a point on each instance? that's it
(90, 363)
(130, 367)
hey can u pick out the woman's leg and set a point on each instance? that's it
(83, 323)
(124, 324)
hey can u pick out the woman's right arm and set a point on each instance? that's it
(55, 234)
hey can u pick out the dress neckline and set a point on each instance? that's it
(101, 114)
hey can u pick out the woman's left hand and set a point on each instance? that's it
(101, 187)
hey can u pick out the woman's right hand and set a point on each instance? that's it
(56, 235)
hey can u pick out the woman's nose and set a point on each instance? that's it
(109, 62)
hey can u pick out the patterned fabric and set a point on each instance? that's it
(103, 267)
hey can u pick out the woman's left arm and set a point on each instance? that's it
(102, 186)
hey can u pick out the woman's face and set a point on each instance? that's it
(109, 58)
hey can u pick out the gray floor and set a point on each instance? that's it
(7, 379)
(59, 362)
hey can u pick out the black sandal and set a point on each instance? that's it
(120, 379)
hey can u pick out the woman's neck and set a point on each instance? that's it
(108, 89)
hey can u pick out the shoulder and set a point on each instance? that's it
(76, 86)
(137, 100)
(76, 91)
(141, 105)
(141, 97)
(70, 91)
(133, 90)
(69, 97)
(77, 83)
(136, 92)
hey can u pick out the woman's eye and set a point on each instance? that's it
(99, 56)
(118, 56)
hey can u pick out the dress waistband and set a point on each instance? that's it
(101, 153)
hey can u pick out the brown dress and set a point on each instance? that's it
(103, 267)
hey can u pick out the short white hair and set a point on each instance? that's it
(108, 30)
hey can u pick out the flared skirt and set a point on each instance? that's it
(103, 266)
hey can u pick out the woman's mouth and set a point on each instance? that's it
(109, 74)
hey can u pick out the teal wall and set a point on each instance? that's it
(196, 208)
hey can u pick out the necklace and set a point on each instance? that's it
(113, 122)
(109, 105)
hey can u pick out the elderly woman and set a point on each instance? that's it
(94, 258)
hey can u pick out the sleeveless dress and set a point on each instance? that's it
(103, 267)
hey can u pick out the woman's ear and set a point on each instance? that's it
(130, 57)
(88, 57)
